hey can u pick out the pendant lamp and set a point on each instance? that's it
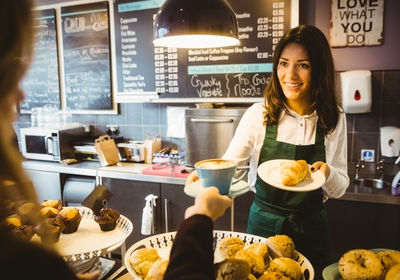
(196, 24)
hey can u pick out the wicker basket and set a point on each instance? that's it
(163, 243)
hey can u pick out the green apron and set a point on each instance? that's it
(299, 215)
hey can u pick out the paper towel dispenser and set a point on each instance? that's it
(356, 91)
(390, 141)
(76, 189)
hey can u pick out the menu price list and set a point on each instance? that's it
(41, 84)
(241, 71)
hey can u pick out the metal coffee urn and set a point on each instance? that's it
(209, 132)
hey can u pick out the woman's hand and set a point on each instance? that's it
(192, 178)
(210, 203)
(320, 165)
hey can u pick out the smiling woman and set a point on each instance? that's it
(300, 120)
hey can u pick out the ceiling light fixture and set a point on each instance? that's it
(196, 24)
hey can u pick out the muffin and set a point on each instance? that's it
(56, 204)
(49, 231)
(107, 219)
(13, 220)
(49, 212)
(71, 219)
(25, 231)
(142, 259)
(232, 269)
(26, 211)
(228, 246)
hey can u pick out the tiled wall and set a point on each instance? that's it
(363, 129)
(135, 120)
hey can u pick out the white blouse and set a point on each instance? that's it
(248, 140)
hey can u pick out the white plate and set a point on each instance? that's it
(269, 172)
(89, 240)
(237, 189)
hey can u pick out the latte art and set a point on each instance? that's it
(215, 164)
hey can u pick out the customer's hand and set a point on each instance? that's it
(210, 203)
(320, 165)
(192, 178)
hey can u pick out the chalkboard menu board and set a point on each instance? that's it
(41, 84)
(230, 73)
(86, 56)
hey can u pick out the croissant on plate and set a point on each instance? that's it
(293, 172)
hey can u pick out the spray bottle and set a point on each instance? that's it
(396, 181)
(147, 217)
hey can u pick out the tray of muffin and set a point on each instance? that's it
(76, 232)
(245, 256)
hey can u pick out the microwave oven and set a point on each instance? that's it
(49, 143)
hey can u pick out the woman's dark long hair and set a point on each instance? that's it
(323, 95)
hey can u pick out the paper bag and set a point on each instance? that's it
(107, 150)
(151, 145)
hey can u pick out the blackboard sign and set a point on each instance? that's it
(232, 73)
(41, 84)
(86, 57)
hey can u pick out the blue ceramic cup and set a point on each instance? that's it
(218, 173)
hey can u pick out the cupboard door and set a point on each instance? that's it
(356, 225)
(174, 203)
(128, 199)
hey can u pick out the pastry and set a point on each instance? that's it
(389, 258)
(290, 268)
(228, 246)
(142, 259)
(71, 219)
(107, 219)
(274, 275)
(14, 220)
(293, 172)
(57, 204)
(260, 249)
(283, 243)
(255, 261)
(49, 212)
(157, 270)
(24, 231)
(360, 264)
(393, 273)
(232, 269)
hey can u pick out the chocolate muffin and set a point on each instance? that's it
(24, 231)
(49, 231)
(107, 219)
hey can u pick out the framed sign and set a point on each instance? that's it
(356, 23)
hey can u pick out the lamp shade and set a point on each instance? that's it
(195, 24)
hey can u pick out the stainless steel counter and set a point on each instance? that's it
(133, 171)
(126, 171)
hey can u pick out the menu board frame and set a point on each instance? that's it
(140, 94)
(112, 107)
